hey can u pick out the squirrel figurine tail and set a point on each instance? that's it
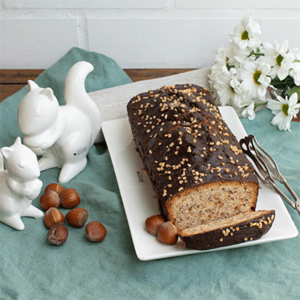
(76, 95)
(62, 135)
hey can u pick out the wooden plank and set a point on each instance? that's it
(18, 76)
(22, 76)
(146, 74)
(12, 81)
(7, 90)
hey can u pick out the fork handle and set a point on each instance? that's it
(295, 205)
(295, 196)
(263, 166)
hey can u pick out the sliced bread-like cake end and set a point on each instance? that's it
(211, 201)
(236, 229)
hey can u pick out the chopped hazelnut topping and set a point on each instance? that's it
(226, 232)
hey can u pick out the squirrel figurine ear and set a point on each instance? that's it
(32, 85)
(48, 92)
(6, 151)
(18, 141)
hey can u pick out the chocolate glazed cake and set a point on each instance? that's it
(203, 182)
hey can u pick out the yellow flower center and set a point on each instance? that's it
(279, 59)
(285, 108)
(245, 35)
(256, 76)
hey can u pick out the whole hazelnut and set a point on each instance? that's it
(57, 235)
(49, 199)
(54, 187)
(167, 234)
(53, 216)
(152, 224)
(77, 217)
(69, 198)
(95, 232)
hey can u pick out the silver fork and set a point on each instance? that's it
(267, 169)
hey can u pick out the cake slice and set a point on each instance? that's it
(235, 229)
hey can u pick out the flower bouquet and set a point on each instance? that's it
(249, 75)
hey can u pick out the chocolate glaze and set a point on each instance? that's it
(184, 142)
(250, 229)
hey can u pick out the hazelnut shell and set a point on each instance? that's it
(77, 217)
(57, 235)
(69, 198)
(167, 234)
(95, 232)
(53, 216)
(152, 224)
(49, 199)
(54, 187)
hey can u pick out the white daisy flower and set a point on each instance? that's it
(247, 33)
(255, 78)
(279, 58)
(295, 73)
(220, 61)
(285, 110)
(221, 56)
(295, 70)
(249, 111)
(227, 86)
(238, 55)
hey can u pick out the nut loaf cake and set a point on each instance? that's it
(196, 167)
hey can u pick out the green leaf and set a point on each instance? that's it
(288, 82)
(296, 89)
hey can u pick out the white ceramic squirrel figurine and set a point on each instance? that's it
(19, 184)
(64, 134)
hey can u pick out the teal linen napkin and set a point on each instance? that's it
(31, 268)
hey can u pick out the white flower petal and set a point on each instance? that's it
(274, 106)
(247, 85)
(293, 99)
(282, 73)
(248, 68)
(249, 111)
(261, 92)
(282, 121)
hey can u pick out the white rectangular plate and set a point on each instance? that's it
(140, 203)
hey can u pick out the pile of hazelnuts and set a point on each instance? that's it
(56, 196)
(166, 232)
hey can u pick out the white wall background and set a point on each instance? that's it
(136, 33)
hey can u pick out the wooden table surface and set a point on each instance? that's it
(12, 81)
